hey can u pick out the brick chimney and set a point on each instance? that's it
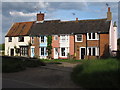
(40, 16)
(109, 14)
(76, 19)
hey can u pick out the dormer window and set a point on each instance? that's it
(78, 38)
(21, 39)
(10, 39)
(92, 36)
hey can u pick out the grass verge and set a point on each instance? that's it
(97, 74)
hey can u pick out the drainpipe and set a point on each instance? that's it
(99, 44)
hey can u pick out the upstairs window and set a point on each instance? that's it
(63, 37)
(56, 37)
(21, 39)
(32, 41)
(92, 36)
(78, 38)
(42, 39)
(10, 39)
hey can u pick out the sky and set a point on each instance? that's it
(26, 11)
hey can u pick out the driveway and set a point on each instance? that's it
(50, 76)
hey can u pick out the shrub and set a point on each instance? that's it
(97, 74)
(10, 64)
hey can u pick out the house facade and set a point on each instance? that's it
(79, 39)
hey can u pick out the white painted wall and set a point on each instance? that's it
(65, 44)
(112, 38)
(9, 45)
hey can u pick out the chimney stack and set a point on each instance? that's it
(76, 19)
(109, 14)
(40, 16)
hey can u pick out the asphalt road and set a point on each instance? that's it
(50, 76)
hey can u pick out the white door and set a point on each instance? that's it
(55, 53)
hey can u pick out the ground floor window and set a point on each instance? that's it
(43, 51)
(93, 51)
(23, 51)
(62, 51)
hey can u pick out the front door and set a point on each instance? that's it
(82, 53)
(55, 53)
(12, 52)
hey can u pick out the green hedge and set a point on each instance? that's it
(10, 64)
(97, 74)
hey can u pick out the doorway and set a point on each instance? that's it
(12, 52)
(82, 52)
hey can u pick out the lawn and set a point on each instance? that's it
(97, 73)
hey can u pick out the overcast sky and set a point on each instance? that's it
(26, 11)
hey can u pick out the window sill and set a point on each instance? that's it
(92, 39)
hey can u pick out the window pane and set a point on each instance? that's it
(79, 37)
(89, 35)
(94, 52)
(89, 51)
(93, 35)
(42, 38)
(63, 51)
(42, 51)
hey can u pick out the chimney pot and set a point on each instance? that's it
(108, 9)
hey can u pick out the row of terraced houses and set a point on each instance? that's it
(79, 39)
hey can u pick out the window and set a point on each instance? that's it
(56, 37)
(42, 39)
(42, 51)
(92, 36)
(21, 39)
(63, 38)
(10, 39)
(24, 51)
(63, 51)
(93, 51)
(32, 40)
(89, 51)
(78, 38)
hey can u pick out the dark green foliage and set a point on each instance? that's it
(2, 46)
(11, 64)
(49, 46)
(97, 74)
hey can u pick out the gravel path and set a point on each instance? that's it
(50, 76)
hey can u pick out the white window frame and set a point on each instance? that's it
(76, 38)
(66, 52)
(45, 52)
(96, 51)
(45, 39)
(9, 39)
(96, 36)
(55, 37)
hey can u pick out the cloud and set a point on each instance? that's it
(14, 13)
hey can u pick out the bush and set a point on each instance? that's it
(12, 64)
(97, 74)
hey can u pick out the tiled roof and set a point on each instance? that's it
(81, 26)
(20, 29)
(59, 27)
